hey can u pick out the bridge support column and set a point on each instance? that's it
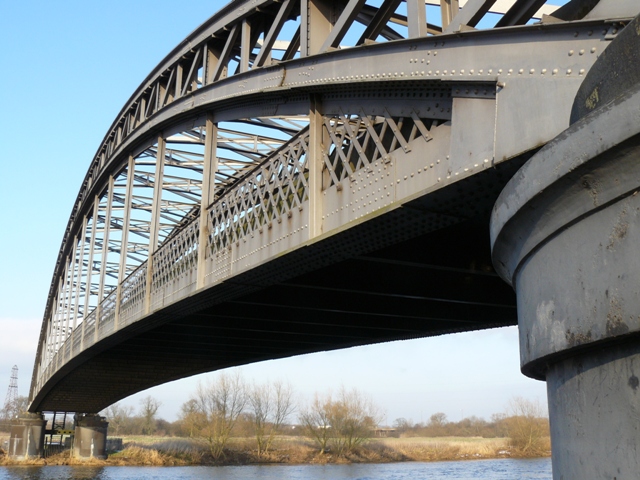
(90, 439)
(27, 436)
(566, 234)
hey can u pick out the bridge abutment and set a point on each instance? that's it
(565, 233)
(27, 436)
(90, 436)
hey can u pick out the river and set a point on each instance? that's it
(502, 469)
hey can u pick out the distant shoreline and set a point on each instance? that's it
(176, 451)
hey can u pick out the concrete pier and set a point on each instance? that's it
(90, 436)
(566, 234)
(27, 436)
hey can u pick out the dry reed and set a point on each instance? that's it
(164, 451)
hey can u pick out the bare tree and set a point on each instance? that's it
(527, 427)
(191, 418)
(344, 423)
(402, 424)
(270, 405)
(353, 418)
(438, 420)
(220, 403)
(9, 413)
(316, 422)
(148, 408)
(119, 417)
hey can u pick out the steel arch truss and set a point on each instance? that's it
(263, 130)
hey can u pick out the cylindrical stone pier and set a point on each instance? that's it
(90, 440)
(565, 233)
(27, 436)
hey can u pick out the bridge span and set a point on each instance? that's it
(304, 175)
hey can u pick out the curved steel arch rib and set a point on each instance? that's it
(261, 136)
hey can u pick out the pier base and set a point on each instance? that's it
(90, 436)
(594, 403)
(27, 436)
(565, 233)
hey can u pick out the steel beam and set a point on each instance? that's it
(223, 59)
(94, 227)
(274, 30)
(341, 27)
(315, 25)
(416, 18)
(79, 282)
(245, 46)
(379, 21)
(470, 15)
(155, 217)
(124, 240)
(208, 195)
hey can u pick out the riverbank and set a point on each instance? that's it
(171, 451)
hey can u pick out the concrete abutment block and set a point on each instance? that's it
(27, 436)
(565, 233)
(90, 439)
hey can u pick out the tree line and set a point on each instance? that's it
(339, 422)
(10, 411)
(524, 422)
(230, 407)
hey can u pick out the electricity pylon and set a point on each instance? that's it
(12, 393)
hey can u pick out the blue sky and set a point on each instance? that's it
(67, 69)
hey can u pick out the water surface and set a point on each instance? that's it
(501, 469)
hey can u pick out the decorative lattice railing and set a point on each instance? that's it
(273, 190)
(356, 141)
(269, 192)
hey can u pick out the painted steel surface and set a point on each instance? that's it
(262, 134)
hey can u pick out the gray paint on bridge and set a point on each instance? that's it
(427, 272)
(325, 265)
(565, 233)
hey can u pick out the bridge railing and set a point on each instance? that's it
(107, 315)
(134, 290)
(89, 329)
(76, 340)
(175, 267)
(263, 194)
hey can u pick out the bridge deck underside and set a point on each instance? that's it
(436, 279)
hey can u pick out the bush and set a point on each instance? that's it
(527, 428)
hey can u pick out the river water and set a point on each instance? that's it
(502, 469)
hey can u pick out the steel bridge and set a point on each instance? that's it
(303, 175)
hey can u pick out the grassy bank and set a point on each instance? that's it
(165, 451)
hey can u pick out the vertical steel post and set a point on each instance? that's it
(105, 252)
(245, 45)
(156, 209)
(124, 240)
(315, 163)
(448, 10)
(212, 58)
(416, 18)
(83, 240)
(208, 191)
(92, 242)
(57, 326)
(50, 339)
(315, 25)
(179, 78)
(69, 296)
